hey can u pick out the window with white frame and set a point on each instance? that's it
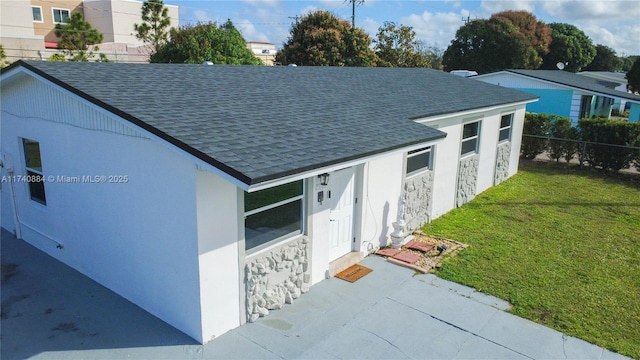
(37, 13)
(33, 167)
(470, 138)
(505, 127)
(60, 16)
(273, 214)
(419, 160)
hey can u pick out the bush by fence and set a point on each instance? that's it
(608, 144)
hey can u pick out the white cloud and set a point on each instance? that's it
(202, 16)
(370, 26)
(435, 29)
(605, 11)
(623, 39)
(249, 31)
(307, 10)
(492, 6)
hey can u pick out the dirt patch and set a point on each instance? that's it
(8, 271)
(442, 249)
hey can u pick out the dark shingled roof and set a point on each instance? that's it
(578, 81)
(260, 123)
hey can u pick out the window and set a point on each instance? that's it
(273, 213)
(37, 13)
(61, 16)
(33, 165)
(418, 160)
(505, 128)
(470, 136)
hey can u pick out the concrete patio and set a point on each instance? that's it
(50, 311)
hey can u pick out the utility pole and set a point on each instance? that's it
(294, 18)
(353, 11)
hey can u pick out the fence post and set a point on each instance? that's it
(584, 151)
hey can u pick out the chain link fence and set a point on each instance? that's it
(611, 157)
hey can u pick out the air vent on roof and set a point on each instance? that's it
(207, 63)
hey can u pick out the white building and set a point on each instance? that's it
(27, 30)
(209, 201)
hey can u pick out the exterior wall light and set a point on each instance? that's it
(324, 179)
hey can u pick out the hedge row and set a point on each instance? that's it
(562, 141)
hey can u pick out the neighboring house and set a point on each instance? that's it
(209, 200)
(619, 78)
(27, 30)
(566, 94)
(264, 51)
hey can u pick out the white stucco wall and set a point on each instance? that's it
(115, 18)
(447, 153)
(382, 183)
(318, 230)
(138, 238)
(220, 272)
(516, 81)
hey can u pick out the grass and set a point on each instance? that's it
(562, 245)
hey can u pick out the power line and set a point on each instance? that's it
(353, 11)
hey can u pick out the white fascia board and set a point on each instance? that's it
(199, 163)
(13, 74)
(338, 166)
(474, 112)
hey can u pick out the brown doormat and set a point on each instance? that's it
(353, 273)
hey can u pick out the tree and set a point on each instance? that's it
(433, 54)
(396, 46)
(535, 34)
(633, 77)
(155, 24)
(322, 39)
(605, 60)
(3, 57)
(570, 46)
(75, 38)
(195, 44)
(627, 62)
(486, 46)
(509, 39)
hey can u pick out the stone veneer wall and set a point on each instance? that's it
(419, 193)
(502, 163)
(467, 179)
(277, 277)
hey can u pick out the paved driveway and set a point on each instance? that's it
(50, 311)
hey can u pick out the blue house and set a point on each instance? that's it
(566, 94)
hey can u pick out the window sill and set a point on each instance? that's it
(273, 244)
(417, 173)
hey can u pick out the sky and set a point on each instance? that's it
(614, 23)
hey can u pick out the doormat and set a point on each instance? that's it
(353, 273)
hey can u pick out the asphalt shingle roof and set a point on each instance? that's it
(578, 81)
(260, 123)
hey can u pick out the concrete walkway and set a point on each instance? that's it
(50, 311)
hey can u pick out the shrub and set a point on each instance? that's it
(610, 158)
(561, 128)
(538, 125)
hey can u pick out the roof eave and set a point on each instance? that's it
(242, 178)
(303, 173)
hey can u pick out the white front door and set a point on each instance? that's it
(341, 197)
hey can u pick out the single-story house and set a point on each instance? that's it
(618, 78)
(565, 93)
(211, 195)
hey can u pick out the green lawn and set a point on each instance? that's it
(562, 245)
